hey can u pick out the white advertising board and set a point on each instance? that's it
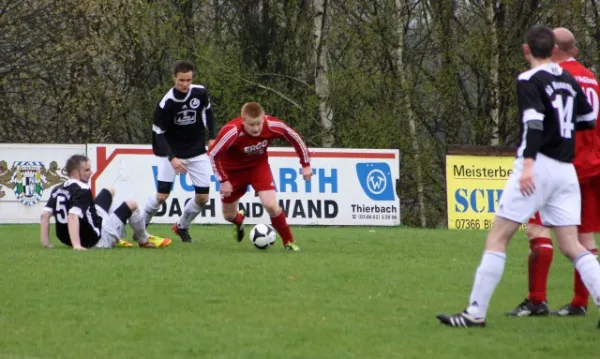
(27, 175)
(349, 186)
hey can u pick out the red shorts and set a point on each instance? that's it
(590, 207)
(259, 177)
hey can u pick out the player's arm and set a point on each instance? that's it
(293, 138)
(78, 207)
(73, 224)
(159, 128)
(209, 117)
(45, 222)
(532, 111)
(224, 140)
(587, 109)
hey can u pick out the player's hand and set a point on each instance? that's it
(307, 173)
(226, 189)
(526, 181)
(47, 245)
(178, 165)
(79, 248)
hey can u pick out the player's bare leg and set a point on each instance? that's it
(269, 201)
(578, 305)
(540, 258)
(585, 262)
(232, 214)
(487, 276)
(191, 210)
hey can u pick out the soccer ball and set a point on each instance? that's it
(263, 236)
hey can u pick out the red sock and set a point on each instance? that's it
(540, 258)
(280, 224)
(238, 220)
(581, 293)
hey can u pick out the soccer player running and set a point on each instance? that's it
(239, 158)
(587, 165)
(83, 222)
(551, 107)
(181, 122)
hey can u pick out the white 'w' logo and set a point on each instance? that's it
(376, 181)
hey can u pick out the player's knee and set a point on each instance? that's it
(132, 205)
(201, 199)
(111, 190)
(161, 197)
(229, 215)
(272, 208)
(535, 231)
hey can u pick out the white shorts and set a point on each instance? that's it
(557, 196)
(112, 229)
(198, 169)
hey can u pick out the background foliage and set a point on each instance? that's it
(410, 74)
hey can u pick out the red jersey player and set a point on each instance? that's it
(587, 165)
(239, 158)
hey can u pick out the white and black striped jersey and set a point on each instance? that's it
(552, 106)
(185, 120)
(75, 197)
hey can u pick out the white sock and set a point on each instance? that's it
(487, 277)
(152, 206)
(190, 211)
(136, 221)
(589, 269)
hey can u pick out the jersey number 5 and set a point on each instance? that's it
(61, 209)
(564, 114)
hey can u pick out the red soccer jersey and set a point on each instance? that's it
(234, 150)
(587, 143)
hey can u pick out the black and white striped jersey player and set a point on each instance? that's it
(183, 121)
(552, 106)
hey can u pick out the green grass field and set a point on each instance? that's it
(351, 293)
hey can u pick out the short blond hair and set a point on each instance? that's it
(252, 110)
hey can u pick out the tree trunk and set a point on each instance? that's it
(405, 100)
(494, 94)
(321, 21)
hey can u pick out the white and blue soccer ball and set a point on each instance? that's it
(263, 236)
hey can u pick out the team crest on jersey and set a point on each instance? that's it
(186, 117)
(29, 179)
(194, 103)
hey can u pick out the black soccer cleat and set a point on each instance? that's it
(528, 309)
(571, 310)
(183, 233)
(461, 320)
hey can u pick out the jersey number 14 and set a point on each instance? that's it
(564, 111)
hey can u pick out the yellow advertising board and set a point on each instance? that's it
(474, 185)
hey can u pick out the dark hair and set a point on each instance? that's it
(182, 66)
(541, 41)
(74, 162)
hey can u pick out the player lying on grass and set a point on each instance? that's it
(239, 158)
(587, 165)
(83, 222)
(552, 106)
